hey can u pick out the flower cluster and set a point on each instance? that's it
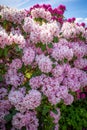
(12, 14)
(40, 12)
(28, 56)
(25, 102)
(46, 12)
(44, 33)
(3, 37)
(72, 30)
(28, 120)
(43, 62)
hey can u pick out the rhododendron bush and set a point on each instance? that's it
(43, 63)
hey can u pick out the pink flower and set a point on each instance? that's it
(44, 63)
(5, 105)
(80, 63)
(28, 56)
(58, 71)
(62, 51)
(41, 13)
(79, 50)
(28, 120)
(14, 78)
(28, 22)
(17, 121)
(69, 99)
(55, 116)
(16, 64)
(32, 100)
(36, 82)
(3, 92)
(12, 14)
(4, 40)
(15, 97)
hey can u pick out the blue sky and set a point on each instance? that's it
(75, 8)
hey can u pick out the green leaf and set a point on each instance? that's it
(0, 16)
(64, 127)
(43, 47)
(6, 51)
(18, 49)
(55, 40)
(65, 60)
(55, 111)
(46, 109)
(5, 23)
(1, 78)
(50, 45)
(14, 112)
(53, 65)
(37, 72)
(25, 34)
(8, 117)
(1, 52)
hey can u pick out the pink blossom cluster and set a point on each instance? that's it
(12, 76)
(43, 60)
(16, 30)
(29, 55)
(60, 52)
(72, 30)
(79, 50)
(12, 14)
(41, 13)
(15, 97)
(16, 64)
(37, 81)
(5, 106)
(28, 24)
(81, 63)
(3, 93)
(44, 63)
(75, 79)
(32, 100)
(44, 33)
(67, 50)
(55, 92)
(28, 120)
(48, 31)
(17, 39)
(9, 39)
(58, 71)
(56, 13)
(25, 102)
(3, 37)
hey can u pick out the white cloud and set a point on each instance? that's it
(81, 20)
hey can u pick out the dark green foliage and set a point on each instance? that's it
(43, 114)
(74, 117)
(50, 45)
(55, 40)
(8, 117)
(41, 45)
